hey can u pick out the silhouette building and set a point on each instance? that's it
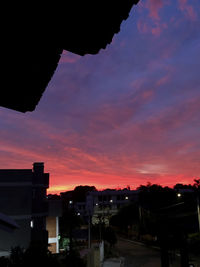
(23, 202)
(102, 205)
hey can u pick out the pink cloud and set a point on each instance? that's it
(158, 29)
(68, 57)
(155, 30)
(165, 79)
(187, 9)
(154, 7)
(142, 26)
(148, 94)
(116, 167)
(136, 84)
(155, 26)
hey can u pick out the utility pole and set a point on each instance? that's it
(89, 233)
(198, 211)
(100, 237)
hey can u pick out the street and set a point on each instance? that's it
(137, 255)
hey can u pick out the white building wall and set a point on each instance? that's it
(56, 238)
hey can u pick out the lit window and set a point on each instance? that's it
(31, 223)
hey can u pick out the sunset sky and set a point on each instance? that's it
(129, 115)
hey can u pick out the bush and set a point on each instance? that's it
(4, 261)
(33, 256)
(73, 259)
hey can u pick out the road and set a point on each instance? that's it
(137, 255)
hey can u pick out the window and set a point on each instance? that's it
(31, 224)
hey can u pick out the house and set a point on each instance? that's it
(52, 224)
(104, 204)
(100, 206)
(23, 200)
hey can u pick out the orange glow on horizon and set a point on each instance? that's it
(63, 188)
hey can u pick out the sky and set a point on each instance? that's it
(126, 116)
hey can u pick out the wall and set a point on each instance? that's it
(52, 228)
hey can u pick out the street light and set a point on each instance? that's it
(198, 208)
